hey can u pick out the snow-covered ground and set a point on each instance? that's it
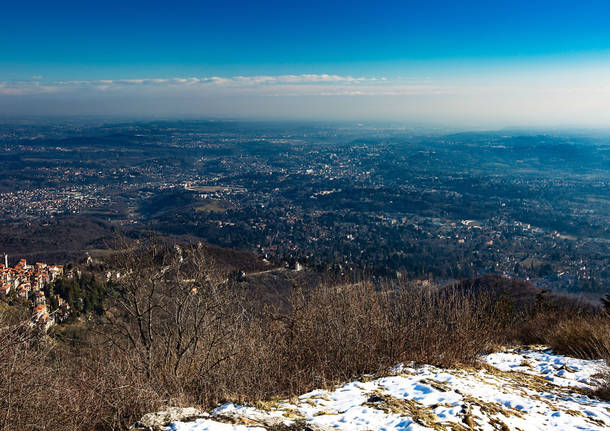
(518, 390)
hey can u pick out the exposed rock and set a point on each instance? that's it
(159, 420)
(250, 419)
(300, 426)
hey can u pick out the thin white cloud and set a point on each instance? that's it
(290, 85)
(236, 82)
(489, 99)
(553, 94)
(259, 85)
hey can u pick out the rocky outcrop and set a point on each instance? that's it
(159, 420)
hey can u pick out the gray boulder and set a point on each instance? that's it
(159, 420)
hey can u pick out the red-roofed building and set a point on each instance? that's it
(28, 281)
(22, 292)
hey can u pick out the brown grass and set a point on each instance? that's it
(603, 390)
(586, 337)
(582, 337)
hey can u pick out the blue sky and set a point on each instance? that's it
(152, 57)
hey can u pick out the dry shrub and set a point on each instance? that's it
(44, 386)
(334, 333)
(585, 337)
(447, 327)
(177, 333)
(193, 339)
(603, 390)
(163, 342)
(23, 377)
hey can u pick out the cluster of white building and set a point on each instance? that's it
(27, 282)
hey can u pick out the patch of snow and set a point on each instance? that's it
(523, 389)
(560, 370)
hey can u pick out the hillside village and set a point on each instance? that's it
(27, 282)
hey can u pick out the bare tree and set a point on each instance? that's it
(174, 310)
